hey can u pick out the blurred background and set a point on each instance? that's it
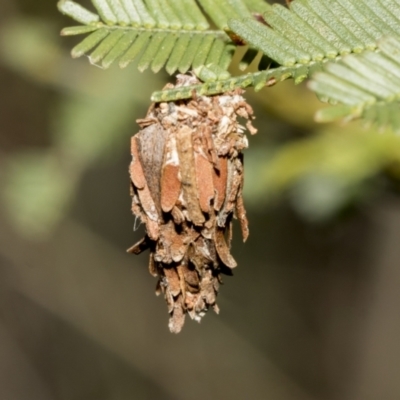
(312, 312)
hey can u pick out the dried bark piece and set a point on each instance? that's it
(223, 250)
(173, 281)
(177, 215)
(234, 180)
(136, 207)
(170, 187)
(187, 181)
(170, 182)
(152, 229)
(152, 266)
(191, 278)
(139, 247)
(229, 230)
(190, 304)
(197, 255)
(241, 214)
(169, 298)
(220, 180)
(177, 319)
(152, 145)
(211, 152)
(163, 252)
(188, 175)
(207, 287)
(204, 178)
(208, 229)
(178, 248)
(135, 169)
(142, 200)
(251, 128)
(148, 204)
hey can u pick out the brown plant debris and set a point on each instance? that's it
(186, 185)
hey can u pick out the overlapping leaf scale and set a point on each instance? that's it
(158, 33)
(363, 85)
(304, 37)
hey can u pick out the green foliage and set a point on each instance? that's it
(303, 38)
(366, 85)
(159, 33)
(175, 35)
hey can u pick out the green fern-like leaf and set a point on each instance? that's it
(314, 30)
(365, 85)
(303, 38)
(173, 34)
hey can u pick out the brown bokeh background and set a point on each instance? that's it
(312, 312)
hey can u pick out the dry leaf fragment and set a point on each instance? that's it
(223, 249)
(177, 215)
(148, 204)
(234, 179)
(170, 182)
(241, 214)
(204, 181)
(170, 187)
(152, 267)
(173, 280)
(152, 145)
(177, 316)
(188, 175)
(135, 169)
(139, 247)
(220, 177)
(187, 180)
